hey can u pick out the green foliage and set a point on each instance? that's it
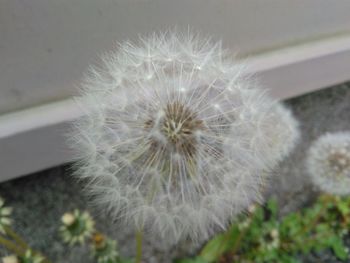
(262, 236)
(123, 260)
(219, 245)
(259, 237)
(191, 260)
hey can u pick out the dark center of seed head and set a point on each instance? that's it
(339, 162)
(178, 126)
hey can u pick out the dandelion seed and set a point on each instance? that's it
(179, 154)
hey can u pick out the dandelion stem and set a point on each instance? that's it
(11, 246)
(241, 235)
(22, 245)
(139, 240)
(238, 241)
(16, 237)
(46, 260)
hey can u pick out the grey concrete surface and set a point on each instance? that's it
(40, 199)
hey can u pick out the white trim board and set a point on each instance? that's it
(33, 139)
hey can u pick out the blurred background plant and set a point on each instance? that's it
(10, 240)
(259, 236)
(78, 228)
(267, 238)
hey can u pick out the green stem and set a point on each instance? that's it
(242, 233)
(46, 260)
(23, 245)
(139, 239)
(16, 237)
(11, 246)
(238, 241)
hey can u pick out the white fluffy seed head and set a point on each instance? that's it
(176, 139)
(328, 163)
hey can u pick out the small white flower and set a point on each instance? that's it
(30, 257)
(244, 224)
(10, 259)
(274, 233)
(177, 146)
(270, 239)
(68, 219)
(5, 212)
(77, 227)
(328, 163)
(104, 249)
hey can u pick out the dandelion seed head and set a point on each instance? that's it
(176, 139)
(328, 163)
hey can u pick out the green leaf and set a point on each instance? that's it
(343, 207)
(258, 215)
(126, 260)
(215, 247)
(285, 258)
(191, 260)
(339, 249)
(272, 206)
(310, 229)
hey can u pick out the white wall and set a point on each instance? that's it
(294, 46)
(46, 45)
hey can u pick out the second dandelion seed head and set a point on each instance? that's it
(328, 163)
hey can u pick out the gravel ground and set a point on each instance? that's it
(40, 199)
